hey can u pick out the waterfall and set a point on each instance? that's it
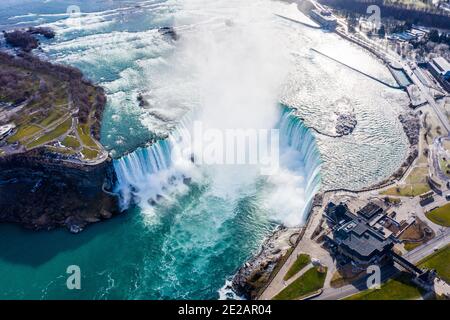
(294, 134)
(298, 142)
(150, 174)
(145, 175)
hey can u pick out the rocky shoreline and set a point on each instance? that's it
(411, 125)
(345, 124)
(255, 274)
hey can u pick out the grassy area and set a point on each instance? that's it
(52, 135)
(443, 165)
(71, 142)
(440, 262)
(45, 99)
(440, 216)
(61, 150)
(341, 278)
(411, 245)
(85, 136)
(408, 191)
(415, 184)
(399, 288)
(299, 264)
(55, 115)
(311, 281)
(89, 154)
(24, 132)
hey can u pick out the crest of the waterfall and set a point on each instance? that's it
(296, 136)
(151, 174)
(298, 180)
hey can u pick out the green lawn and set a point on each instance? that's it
(311, 281)
(52, 135)
(71, 142)
(89, 154)
(411, 245)
(440, 261)
(440, 216)
(61, 150)
(55, 115)
(85, 136)
(411, 190)
(415, 184)
(299, 264)
(399, 288)
(23, 132)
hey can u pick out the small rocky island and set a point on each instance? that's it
(345, 123)
(25, 39)
(53, 170)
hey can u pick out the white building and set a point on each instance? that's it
(440, 69)
(6, 130)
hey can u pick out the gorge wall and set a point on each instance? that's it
(39, 192)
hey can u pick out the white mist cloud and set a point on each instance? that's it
(237, 61)
(229, 66)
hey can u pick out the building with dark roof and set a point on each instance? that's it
(440, 69)
(362, 243)
(369, 211)
(354, 238)
(324, 18)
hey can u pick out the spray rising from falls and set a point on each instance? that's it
(166, 168)
(229, 67)
(298, 179)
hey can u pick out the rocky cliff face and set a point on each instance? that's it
(39, 192)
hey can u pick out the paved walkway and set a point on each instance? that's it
(308, 246)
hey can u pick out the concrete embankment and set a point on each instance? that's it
(359, 71)
(299, 22)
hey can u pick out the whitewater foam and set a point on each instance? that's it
(212, 72)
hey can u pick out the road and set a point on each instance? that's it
(413, 256)
(394, 57)
(426, 94)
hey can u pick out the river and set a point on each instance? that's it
(187, 228)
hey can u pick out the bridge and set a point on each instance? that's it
(359, 71)
(406, 264)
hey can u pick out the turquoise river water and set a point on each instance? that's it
(234, 61)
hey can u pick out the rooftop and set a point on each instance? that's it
(6, 128)
(360, 238)
(354, 234)
(442, 64)
(369, 210)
